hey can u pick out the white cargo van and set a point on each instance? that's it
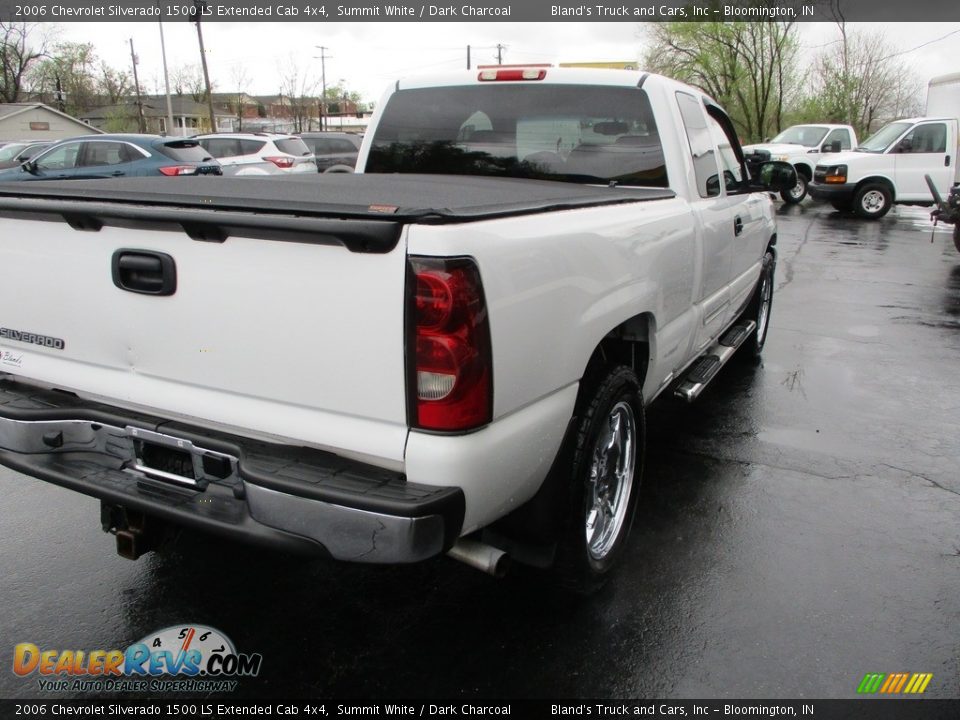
(889, 167)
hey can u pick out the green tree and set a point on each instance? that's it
(862, 81)
(72, 69)
(338, 97)
(748, 67)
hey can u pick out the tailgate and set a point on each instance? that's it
(284, 328)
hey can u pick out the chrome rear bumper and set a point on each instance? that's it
(296, 498)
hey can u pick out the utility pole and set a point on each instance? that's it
(141, 123)
(468, 57)
(323, 80)
(166, 80)
(500, 49)
(200, 6)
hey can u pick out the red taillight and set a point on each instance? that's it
(452, 366)
(280, 161)
(172, 170)
(513, 74)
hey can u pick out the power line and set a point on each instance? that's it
(922, 45)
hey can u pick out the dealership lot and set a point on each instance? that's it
(799, 527)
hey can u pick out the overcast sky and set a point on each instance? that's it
(369, 55)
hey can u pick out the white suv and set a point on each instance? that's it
(259, 153)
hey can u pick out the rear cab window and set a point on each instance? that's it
(596, 135)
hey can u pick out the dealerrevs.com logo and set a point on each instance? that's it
(185, 658)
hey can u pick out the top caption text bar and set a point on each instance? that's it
(319, 11)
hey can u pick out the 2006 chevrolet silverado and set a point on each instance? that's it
(448, 352)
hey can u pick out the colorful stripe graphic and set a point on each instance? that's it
(894, 683)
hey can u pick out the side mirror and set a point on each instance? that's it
(29, 166)
(774, 176)
(904, 146)
(713, 186)
(831, 147)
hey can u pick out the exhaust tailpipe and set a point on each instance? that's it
(481, 556)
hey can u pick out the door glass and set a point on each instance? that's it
(839, 134)
(60, 158)
(106, 153)
(926, 139)
(729, 165)
(701, 145)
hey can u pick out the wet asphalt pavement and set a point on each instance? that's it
(799, 527)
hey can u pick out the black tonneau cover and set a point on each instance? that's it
(326, 206)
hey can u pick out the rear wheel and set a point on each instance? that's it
(607, 467)
(798, 192)
(872, 201)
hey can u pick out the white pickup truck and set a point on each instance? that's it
(803, 146)
(450, 352)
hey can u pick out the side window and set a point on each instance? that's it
(105, 153)
(729, 165)
(701, 145)
(841, 134)
(61, 158)
(221, 147)
(930, 138)
(250, 147)
(342, 146)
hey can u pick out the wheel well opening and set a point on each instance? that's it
(627, 344)
(806, 171)
(878, 181)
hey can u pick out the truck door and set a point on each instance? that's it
(924, 150)
(716, 213)
(106, 159)
(749, 240)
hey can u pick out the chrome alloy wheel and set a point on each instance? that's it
(611, 480)
(766, 299)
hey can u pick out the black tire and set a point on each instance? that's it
(842, 205)
(608, 453)
(872, 201)
(798, 192)
(760, 307)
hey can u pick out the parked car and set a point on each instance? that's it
(334, 151)
(106, 156)
(259, 153)
(13, 154)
